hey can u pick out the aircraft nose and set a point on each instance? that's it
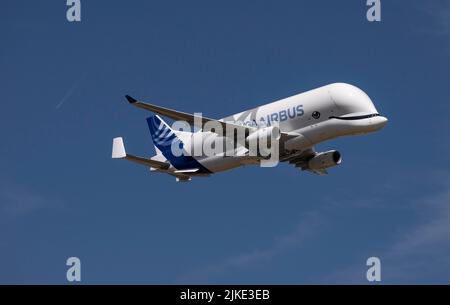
(379, 122)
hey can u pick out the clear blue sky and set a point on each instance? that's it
(62, 102)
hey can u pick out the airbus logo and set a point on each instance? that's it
(280, 116)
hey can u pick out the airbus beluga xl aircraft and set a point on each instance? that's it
(292, 125)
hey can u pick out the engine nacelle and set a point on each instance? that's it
(265, 135)
(325, 160)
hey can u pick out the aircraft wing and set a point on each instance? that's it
(190, 118)
(183, 116)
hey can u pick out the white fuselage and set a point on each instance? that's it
(314, 116)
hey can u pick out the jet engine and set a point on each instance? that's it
(325, 160)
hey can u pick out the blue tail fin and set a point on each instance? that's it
(162, 134)
(164, 137)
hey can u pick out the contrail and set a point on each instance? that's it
(70, 92)
(67, 95)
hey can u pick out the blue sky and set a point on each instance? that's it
(62, 88)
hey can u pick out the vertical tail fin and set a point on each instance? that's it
(162, 134)
(158, 128)
(164, 138)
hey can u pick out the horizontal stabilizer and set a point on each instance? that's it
(118, 152)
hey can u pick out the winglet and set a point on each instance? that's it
(118, 149)
(130, 99)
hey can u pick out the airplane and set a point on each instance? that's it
(298, 123)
